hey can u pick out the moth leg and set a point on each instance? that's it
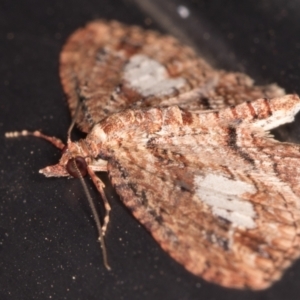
(100, 185)
(53, 140)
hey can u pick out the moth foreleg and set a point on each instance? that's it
(100, 185)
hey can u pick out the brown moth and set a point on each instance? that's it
(188, 150)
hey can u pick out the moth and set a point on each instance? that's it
(187, 148)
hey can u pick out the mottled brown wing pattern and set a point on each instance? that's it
(219, 202)
(213, 188)
(209, 182)
(108, 66)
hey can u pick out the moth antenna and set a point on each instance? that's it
(96, 217)
(73, 120)
(52, 139)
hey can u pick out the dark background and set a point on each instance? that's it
(48, 247)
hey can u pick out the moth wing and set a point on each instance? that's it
(109, 66)
(226, 218)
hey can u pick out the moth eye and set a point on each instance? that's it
(81, 165)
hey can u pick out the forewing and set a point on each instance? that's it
(108, 66)
(221, 200)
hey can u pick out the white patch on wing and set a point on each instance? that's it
(224, 196)
(149, 77)
(283, 109)
(278, 118)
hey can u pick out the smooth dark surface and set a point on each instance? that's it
(48, 247)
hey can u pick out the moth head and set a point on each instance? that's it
(72, 161)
